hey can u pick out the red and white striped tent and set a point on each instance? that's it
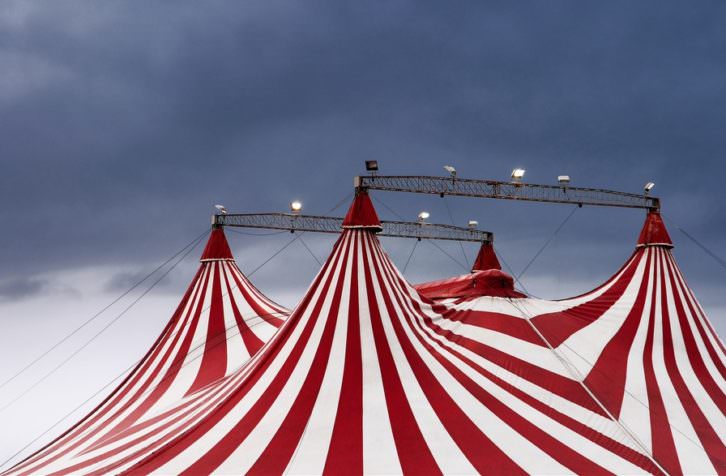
(220, 323)
(366, 375)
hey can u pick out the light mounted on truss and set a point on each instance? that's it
(516, 190)
(322, 224)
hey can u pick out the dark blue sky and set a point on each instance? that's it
(123, 123)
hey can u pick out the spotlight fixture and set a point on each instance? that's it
(423, 216)
(563, 179)
(451, 170)
(372, 165)
(648, 187)
(295, 206)
(473, 224)
(221, 209)
(517, 174)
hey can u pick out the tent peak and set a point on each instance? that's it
(362, 214)
(486, 259)
(217, 248)
(654, 232)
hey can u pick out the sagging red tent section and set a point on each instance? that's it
(367, 375)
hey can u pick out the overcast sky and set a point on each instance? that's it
(123, 123)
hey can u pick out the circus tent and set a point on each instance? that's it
(369, 375)
(220, 322)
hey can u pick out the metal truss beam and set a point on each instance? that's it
(506, 190)
(321, 224)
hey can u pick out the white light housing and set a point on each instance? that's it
(295, 206)
(450, 169)
(221, 209)
(563, 179)
(473, 224)
(518, 174)
(648, 187)
(423, 216)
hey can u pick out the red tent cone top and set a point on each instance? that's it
(362, 214)
(217, 247)
(486, 259)
(654, 232)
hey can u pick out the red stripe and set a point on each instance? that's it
(608, 376)
(346, 442)
(702, 324)
(250, 339)
(214, 361)
(664, 449)
(557, 327)
(553, 382)
(513, 326)
(244, 287)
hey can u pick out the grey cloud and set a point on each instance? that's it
(129, 126)
(21, 288)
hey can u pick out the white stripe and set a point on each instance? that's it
(634, 411)
(312, 449)
(691, 455)
(379, 448)
(237, 352)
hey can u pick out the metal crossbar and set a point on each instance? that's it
(506, 190)
(322, 224)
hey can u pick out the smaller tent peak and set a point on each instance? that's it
(217, 248)
(486, 259)
(654, 232)
(362, 214)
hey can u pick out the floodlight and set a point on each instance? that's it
(648, 187)
(371, 165)
(563, 179)
(221, 209)
(517, 174)
(473, 224)
(423, 216)
(450, 169)
(295, 206)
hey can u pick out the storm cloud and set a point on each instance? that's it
(123, 123)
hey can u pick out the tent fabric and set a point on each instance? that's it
(654, 232)
(486, 279)
(492, 282)
(217, 247)
(220, 322)
(366, 375)
(362, 214)
(486, 258)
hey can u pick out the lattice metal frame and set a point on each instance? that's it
(506, 190)
(321, 224)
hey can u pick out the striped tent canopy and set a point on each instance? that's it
(220, 322)
(366, 375)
